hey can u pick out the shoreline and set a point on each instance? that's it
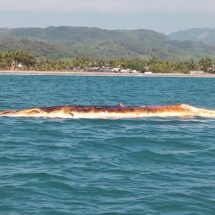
(79, 73)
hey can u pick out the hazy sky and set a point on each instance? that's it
(159, 15)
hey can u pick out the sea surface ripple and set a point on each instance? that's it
(137, 166)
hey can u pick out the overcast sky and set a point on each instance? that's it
(160, 15)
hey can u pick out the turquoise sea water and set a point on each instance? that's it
(138, 166)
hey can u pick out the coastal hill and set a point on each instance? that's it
(58, 42)
(205, 35)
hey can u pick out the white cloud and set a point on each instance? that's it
(204, 6)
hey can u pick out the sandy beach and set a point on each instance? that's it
(78, 73)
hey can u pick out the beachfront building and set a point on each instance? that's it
(197, 72)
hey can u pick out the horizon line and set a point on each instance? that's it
(107, 29)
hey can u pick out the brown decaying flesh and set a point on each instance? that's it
(179, 110)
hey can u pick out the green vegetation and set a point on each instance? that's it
(14, 60)
(204, 35)
(74, 42)
(22, 60)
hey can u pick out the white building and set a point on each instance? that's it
(196, 72)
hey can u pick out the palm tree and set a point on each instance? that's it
(205, 64)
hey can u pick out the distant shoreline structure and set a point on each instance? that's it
(78, 73)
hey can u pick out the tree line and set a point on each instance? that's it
(22, 60)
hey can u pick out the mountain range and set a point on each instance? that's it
(205, 35)
(64, 41)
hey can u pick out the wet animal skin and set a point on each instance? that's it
(111, 112)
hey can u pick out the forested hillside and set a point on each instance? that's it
(58, 42)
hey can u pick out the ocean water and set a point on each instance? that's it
(137, 166)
